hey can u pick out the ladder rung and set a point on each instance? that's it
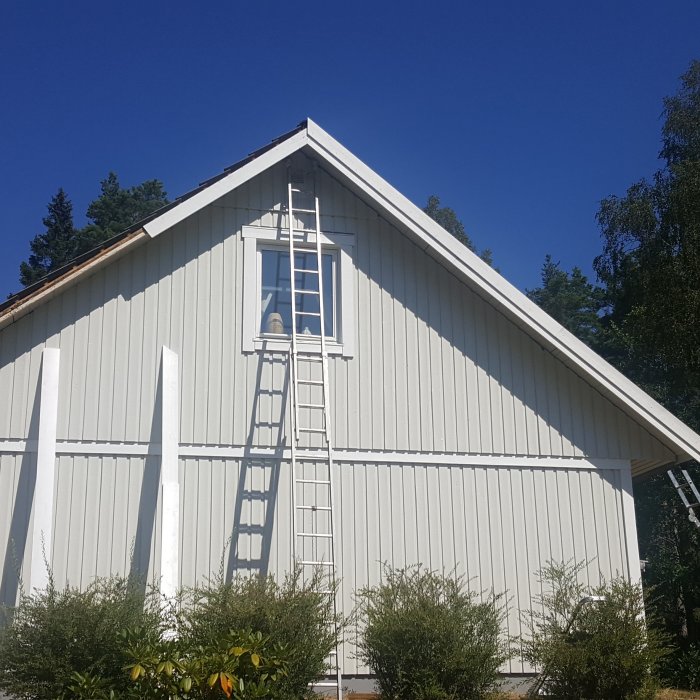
(312, 456)
(328, 508)
(327, 535)
(314, 481)
(311, 430)
(314, 382)
(323, 684)
(317, 563)
(296, 210)
(310, 405)
(303, 269)
(310, 357)
(307, 291)
(307, 313)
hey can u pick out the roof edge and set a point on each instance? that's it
(508, 297)
(479, 275)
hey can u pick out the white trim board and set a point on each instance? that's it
(43, 503)
(189, 451)
(169, 477)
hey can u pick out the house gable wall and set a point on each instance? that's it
(435, 369)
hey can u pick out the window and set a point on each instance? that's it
(276, 293)
(267, 296)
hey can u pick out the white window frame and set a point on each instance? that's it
(255, 238)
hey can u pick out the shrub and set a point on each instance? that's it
(239, 665)
(600, 650)
(425, 636)
(52, 635)
(295, 615)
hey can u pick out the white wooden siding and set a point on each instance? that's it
(436, 368)
(497, 526)
(106, 518)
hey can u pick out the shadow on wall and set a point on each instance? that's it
(19, 535)
(252, 529)
(150, 490)
(257, 559)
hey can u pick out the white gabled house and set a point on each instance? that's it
(148, 399)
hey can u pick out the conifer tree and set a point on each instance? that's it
(56, 245)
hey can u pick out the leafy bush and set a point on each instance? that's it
(425, 636)
(295, 615)
(52, 635)
(607, 652)
(241, 666)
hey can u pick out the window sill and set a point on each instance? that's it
(283, 345)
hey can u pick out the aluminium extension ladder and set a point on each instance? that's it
(314, 545)
(688, 492)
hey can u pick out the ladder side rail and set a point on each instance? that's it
(294, 436)
(692, 485)
(292, 274)
(678, 488)
(327, 422)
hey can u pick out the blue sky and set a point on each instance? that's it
(520, 116)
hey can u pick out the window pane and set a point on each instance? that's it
(276, 301)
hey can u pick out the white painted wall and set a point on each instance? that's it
(497, 526)
(435, 367)
(436, 372)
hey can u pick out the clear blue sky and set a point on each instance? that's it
(520, 116)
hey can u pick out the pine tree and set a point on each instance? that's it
(568, 297)
(117, 209)
(447, 218)
(56, 246)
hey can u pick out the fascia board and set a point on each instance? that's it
(493, 286)
(227, 184)
(71, 277)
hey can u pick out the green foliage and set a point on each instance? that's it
(681, 668)
(236, 665)
(118, 208)
(670, 544)
(650, 265)
(447, 218)
(56, 246)
(600, 650)
(570, 299)
(425, 636)
(114, 211)
(650, 262)
(52, 635)
(296, 615)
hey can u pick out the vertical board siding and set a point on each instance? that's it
(441, 370)
(106, 518)
(17, 479)
(495, 526)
